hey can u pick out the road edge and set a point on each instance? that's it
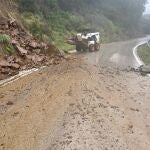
(135, 53)
(18, 76)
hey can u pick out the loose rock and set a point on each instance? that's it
(29, 52)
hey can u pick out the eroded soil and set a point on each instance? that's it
(76, 106)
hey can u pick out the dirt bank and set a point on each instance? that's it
(19, 50)
(75, 106)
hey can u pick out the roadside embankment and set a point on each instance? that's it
(20, 51)
(144, 53)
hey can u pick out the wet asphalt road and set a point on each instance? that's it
(79, 106)
(118, 54)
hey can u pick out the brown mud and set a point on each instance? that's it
(76, 105)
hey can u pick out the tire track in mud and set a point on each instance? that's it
(76, 106)
(100, 118)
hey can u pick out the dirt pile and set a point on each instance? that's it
(28, 51)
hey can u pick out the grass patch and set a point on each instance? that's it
(5, 43)
(54, 28)
(57, 26)
(144, 53)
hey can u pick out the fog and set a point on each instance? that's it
(147, 8)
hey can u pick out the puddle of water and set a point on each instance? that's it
(116, 58)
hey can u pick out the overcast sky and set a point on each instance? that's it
(147, 11)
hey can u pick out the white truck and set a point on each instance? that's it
(86, 41)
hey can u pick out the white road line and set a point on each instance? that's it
(140, 62)
(18, 76)
(27, 72)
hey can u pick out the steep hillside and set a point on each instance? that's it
(145, 23)
(7, 8)
(53, 20)
(20, 50)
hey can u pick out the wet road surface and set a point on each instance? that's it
(119, 54)
(78, 105)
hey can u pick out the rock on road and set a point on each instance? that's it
(78, 105)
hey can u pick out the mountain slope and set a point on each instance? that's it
(54, 20)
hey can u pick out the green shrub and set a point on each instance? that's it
(55, 19)
(144, 53)
(27, 5)
(5, 42)
(4, 39)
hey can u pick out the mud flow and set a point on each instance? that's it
(75, 105)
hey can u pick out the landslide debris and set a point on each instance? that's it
(28, 51)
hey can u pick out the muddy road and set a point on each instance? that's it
(78, 105)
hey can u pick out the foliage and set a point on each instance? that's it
(37, 6)
(54, 19)
(4, 38)
(27, 5)
(144, 53)
(5, 41)
(145, 22)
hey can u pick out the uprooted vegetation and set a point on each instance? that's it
(20, 50)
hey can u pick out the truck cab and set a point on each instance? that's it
(88, 41)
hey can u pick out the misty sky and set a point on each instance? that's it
(147, 11)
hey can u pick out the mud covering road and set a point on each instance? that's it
(76, 105)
